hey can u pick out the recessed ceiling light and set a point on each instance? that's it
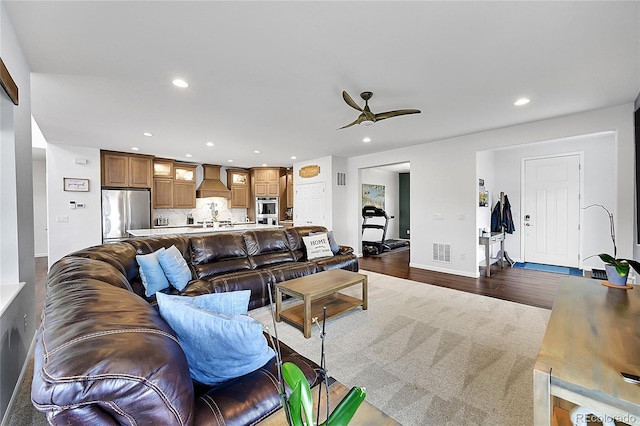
(230, 161)
(209, 143)
(256, 152)
(135, 148)
(188, 155)
(147, 134)
(180, 83)
(264, 164)
(366, 140)
(522, 101)
(293, 157)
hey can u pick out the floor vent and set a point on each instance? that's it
(342, 179)
(442, 253)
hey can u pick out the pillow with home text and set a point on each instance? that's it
(317, 246)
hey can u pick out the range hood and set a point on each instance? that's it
(211, 185)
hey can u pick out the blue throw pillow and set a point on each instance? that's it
(175, 267)
(230, 302)
(218, 347)
(151, 273)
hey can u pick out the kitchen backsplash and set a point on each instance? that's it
(202, 211)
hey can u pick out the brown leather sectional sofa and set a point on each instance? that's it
(105, 356)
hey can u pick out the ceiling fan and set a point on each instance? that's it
(367, 117)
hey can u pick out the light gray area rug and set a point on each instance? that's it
(430, 355)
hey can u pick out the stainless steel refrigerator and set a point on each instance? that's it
(124, 209)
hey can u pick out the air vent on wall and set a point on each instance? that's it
(342, 179)
(441, 252)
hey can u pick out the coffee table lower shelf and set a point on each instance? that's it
(336, 303)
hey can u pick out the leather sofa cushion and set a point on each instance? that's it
(219, 253)
(338, 261)
(150, 244)
(249, 398)
(289, 271)
(120, 255)
(91, 343)
(75, 268)
(254, 280)
(267, 247)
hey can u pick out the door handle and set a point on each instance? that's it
(527, 224)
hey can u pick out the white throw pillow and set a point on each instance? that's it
(317, 246)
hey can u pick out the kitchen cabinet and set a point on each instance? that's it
(184, 186)
(163, 168)
(267, 182)
(120, 170)
(162, 193)
(238, 183)
(174, 185)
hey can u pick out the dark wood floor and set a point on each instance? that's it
(515, 284)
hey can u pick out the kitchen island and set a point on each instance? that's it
(198, 230)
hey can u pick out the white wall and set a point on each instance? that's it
(338, 200)
(444, 181)
(485, 167)
(391, 183)
(40, 239)
(17, 326)
(84, 226)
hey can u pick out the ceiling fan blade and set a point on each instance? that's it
(389, 114)
(356, 121)
(350, 101)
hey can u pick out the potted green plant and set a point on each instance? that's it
(617, 269)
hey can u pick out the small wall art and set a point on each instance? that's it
(76, 184)
(373, 195)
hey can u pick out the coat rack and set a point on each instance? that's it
(502, 253)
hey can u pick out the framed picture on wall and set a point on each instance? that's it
(76, 184)
(484, 198)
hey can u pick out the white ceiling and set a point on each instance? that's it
(268, 76)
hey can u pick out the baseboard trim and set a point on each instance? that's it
(9, 412)
(444, 270)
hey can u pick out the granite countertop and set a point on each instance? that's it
(197, 230)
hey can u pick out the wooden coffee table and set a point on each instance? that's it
(317, 291)
(367, 414)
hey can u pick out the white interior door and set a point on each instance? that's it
(310, 204)
(552, 210)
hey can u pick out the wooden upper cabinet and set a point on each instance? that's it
(115, 169)
(162, 193)
(122, 170)
(238, 183)
(140, 172)
(184, 186)
(184, 194)
(185, 172)
(163, 168)
(267, 182)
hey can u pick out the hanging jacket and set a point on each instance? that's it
(495, 219)
(504, 221)
(507, 219)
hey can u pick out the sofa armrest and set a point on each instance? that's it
(104, 355)
(345, 250)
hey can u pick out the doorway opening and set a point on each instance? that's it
(556, 235)
(385, 206)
